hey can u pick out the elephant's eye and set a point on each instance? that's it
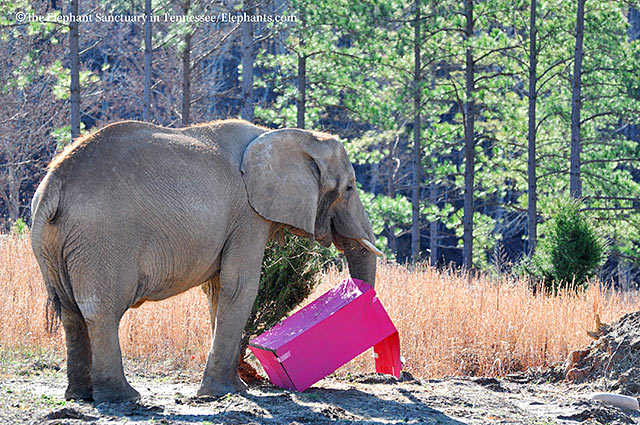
(349, 188)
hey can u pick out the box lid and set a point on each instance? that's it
(312, 314)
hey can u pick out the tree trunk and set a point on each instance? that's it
(302, 90)
(132, 24)
(75, 71)
(532, 212)
(417, 162)
(246, 110)
(301, 101)
(186, 81)
(634, 24)
(433, 227)
(13, 201)
(186, 72)
(575, 184)
(147, 61)
(391, 192)
(469, 145)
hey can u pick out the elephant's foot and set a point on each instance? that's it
(217, 388)
(84, 393)
(115, 394)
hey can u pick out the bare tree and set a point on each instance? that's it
(433, 226)
(301, 101)
(147, 61)
(28, 114)
(575, 183)
(75, 70)
(470, 140)
(21, 148)
(532, 212)
(248, 54)
(186, 70)
(417, 150)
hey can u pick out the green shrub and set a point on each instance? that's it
(570, 250)
(289, 274)
(19, 227)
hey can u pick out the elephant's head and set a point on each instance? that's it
(304, 180)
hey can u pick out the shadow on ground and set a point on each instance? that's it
(269, 405)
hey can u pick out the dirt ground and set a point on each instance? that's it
(32, 388)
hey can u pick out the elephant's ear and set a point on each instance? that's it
(283, 177)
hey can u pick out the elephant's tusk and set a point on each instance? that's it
(371, 247)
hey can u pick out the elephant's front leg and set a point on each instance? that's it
(239, 280)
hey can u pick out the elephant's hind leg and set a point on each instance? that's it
(103, 290)
(221, 372)
(107, 373)
(211, 288)
(78, 356)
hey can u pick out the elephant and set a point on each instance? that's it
(136, 212)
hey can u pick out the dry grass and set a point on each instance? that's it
(168, 334)
(449, 325)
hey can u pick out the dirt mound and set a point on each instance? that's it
(614, 356)
(600, 414)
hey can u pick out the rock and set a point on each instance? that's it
(576, 374)
(491, 383)
(573, 359)
(68, 413)
(617, 400)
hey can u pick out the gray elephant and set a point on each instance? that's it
(138, 212)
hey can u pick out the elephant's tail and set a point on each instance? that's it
(46, 242)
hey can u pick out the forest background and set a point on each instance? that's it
(466, 121)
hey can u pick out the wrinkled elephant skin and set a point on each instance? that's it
(137, 212)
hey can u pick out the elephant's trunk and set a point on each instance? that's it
(362, 262)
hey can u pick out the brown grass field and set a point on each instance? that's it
(449, 324)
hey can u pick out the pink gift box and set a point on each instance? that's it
(324, 335)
